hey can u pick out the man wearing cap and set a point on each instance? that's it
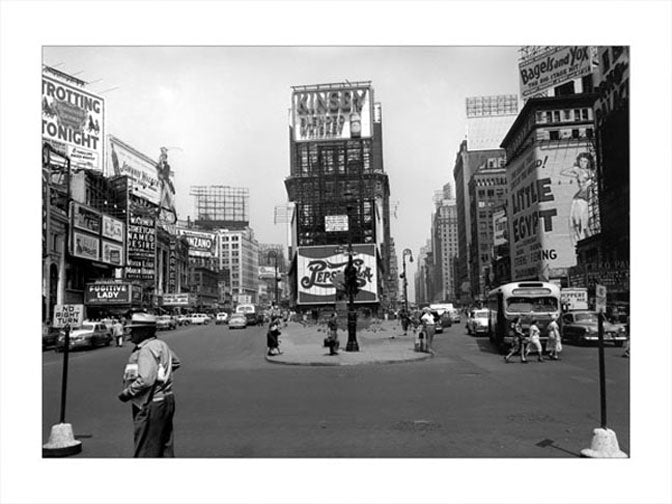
(148, 384)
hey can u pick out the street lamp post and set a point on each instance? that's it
(407, 252)
(274, 255)
(350, 276)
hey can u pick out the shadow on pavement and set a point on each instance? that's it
(485, 346)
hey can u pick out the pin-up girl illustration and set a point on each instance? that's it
(584, 172)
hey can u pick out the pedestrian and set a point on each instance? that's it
(273, 336)
(148, 385)
(626, 350)
(534, 340)
(518, 344)
(553, 343)
(405, 321)
(428, 325)
(118, 332)
(332, 339)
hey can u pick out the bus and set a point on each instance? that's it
(250, 311)
(528, 300)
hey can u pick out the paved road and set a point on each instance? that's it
(465, 402)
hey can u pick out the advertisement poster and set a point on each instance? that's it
(175, 300)
(332, 113)
(75, 119)
(553, 201)
(85, 246)
(553, 68)
(140, 169)
(85, 218)
(112, 253)
(316, 267)
(141, 246)
(172, 266)
(201, 244)
(113, 229)
(107, 293)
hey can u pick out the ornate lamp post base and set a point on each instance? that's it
(352, 345)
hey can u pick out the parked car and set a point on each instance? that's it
(477, 323)
(580, 327)
(49, 335)
(199, 319)
(238, 320)
(165, 322)
(88, 335)
(222, 318)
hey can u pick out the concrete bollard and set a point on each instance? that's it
(604, 445)
(62, 442)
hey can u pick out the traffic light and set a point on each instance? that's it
(351, 280)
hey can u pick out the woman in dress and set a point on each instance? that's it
(584, 172)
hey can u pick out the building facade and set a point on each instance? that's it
(445, 242)
(339, 189)
(238, 252)
(487, 192)
(553, 194)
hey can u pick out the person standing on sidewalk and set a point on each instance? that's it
(428, 324)
(518, 344)
(118, 332)
(148, 385)
(534, 341)
(273, 336)
(332, 339)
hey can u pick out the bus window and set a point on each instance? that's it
(520, 304)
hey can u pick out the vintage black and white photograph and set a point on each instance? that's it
(341, 252)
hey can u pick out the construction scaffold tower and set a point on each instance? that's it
(221, 203)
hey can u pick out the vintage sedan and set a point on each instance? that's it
(237, 320)
(165, 322)
(199, 319)
(580, 327)
(477, 323)
(221, 318)
(89, 335)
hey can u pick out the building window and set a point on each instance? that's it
(556, 115)
(575, 133)
(589, 132)
(584, 114)
(554, 135)
(577, 114)
(567, 114)
(549, 116)
(541, 117)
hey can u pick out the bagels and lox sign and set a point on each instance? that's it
(553, 68)
(317, 267)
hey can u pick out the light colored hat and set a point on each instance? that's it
(142, 320)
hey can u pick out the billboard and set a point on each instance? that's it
(553, 194)
(107, 293)
(141, 170)
(552, 68)
(500, 228)
(201, 244)
(73, 122)
(332, 113)
(91, 235)
(317, 267)
(141, 245)
(85, 246)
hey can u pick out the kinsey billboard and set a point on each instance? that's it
(553, 68)
(107, 293)
(73, 122)
(200, 244)
(122, 159)
(317, 266)
(553, 194)
(332, 113)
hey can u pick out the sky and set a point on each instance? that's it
(223, 113)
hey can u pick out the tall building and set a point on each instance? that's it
(340, 191)
(553, 194)
(487, 192)
(488, 120)
(445, 238)
(238, 252)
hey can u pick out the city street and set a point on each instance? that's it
(464, 402)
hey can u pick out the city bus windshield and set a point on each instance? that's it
(520, 304)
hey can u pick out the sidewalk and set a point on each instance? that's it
(383, 342)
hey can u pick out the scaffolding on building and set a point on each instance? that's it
(219, 204)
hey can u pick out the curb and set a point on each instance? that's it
(429, 355)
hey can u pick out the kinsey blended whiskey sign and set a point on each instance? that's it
(553, 68)
(332, 113)
(318, 266)
(107, 293)
(73, 122)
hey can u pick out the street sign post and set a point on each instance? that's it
(62, 441)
